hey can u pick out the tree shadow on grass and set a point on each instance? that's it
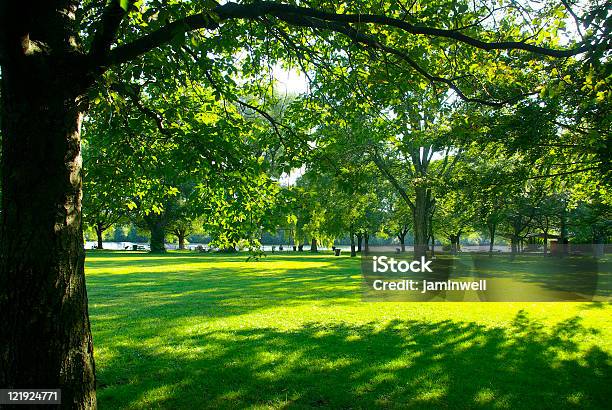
(399, 364)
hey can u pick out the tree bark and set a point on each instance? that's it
(420, 216)
(352, 234)
(514, 244)
(157, 227)
(313, 245)
(433, 245)
(99, 232)
(366, 242)
(431, 234)
(181, 241)
(492, 229)
(45, 340)
(453, 241)
(359, 241)
(563, 241)
(402, 240)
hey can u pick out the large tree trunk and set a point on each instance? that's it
(45, 341)
(313, 245)
(420, 215)
(359, 241)
(157, 227)
(181, 241)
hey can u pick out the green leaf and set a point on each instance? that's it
(124, 4)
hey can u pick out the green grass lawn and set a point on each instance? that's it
(215, 331)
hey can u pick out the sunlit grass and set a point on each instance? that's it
(209, 331)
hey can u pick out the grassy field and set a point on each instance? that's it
(215, 331)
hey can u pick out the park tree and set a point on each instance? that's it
(413, 134)
(316, 209)
(398, 220)
(492, 177)
(454, 215)
(547, 212)
(53, 56)
(373, 210)
(346, 212)
(299, 214)
(521, 213)
(347, 182)
(184, 226)
(338, 197)
(407, 162)
(591, 223)
(170, 213)
(106, 190)
(556, 158)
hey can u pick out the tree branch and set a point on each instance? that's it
(112, 16)
(280, 10)
(381, 166)
(304, 16)
(134, 97)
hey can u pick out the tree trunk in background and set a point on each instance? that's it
(545, 242)
(352, 234)
(514, 243)
(181, 241)
(563, 241)
(430, 232)
(157, 227)
(492, 229)
(45, 341)
(99, 232)
(301, 247)
(453, 242)
(366, 242)
(359, 241)
(433, 245)
(156, 223)
(598, 242)
(420, 216)
(313, 245)
(402, 241)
